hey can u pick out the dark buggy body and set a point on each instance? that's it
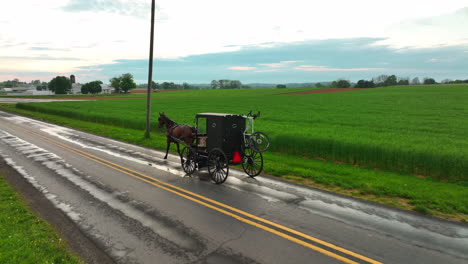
(221, 140)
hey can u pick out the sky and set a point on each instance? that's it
(254, 41)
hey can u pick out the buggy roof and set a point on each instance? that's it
(216, 114)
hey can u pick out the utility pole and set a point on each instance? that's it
(150, 75)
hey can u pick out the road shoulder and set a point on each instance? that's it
(76, 241)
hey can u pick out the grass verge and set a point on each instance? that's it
(422, 194)
(418, 130)
(24, 237)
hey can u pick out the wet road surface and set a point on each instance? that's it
(140, 208)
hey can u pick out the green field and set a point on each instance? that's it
(24, 238)
(420, 130)
(401, 146)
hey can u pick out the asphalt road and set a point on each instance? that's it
(139, 208)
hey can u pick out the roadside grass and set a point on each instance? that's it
(418, 130)
(423, 194)
(24, 237)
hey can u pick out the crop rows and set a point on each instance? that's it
(420, 130)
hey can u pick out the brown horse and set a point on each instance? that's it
(176, 132)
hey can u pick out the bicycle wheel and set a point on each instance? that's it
(259, 141)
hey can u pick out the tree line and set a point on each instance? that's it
(390, 80)
(170, 86)
(124, 83)
(226, 84)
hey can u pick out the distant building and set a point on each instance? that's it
(107, 89)
(76, 88)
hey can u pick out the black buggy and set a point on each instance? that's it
(223, 139)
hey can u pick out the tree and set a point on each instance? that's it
(403, 82)
(235, 84)
(280, 86)
(226, 84)
(415, 81)
(41, 87)
(60, 85)
(379, 80)
(222, 84)
(155, 86)
(123, 83)
(127, 83)
(168, 86)
(115, 83)
(91, 87)
(342, 84)
(318, 85)
(96, 87)
(214, 84)
(390, 81)
(186, 86)
(364, 84)
(85, 88)
(429, 81)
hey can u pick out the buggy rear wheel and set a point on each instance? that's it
(252, 163)
(259, 141)
(218, 166)
(187, 160)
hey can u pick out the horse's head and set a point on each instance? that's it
(162, 119)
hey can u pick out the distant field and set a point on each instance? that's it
(420, 130)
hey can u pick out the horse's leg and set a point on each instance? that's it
(178, 151)
(167, 149)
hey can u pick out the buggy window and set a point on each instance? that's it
(201, 125)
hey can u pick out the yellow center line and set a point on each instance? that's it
(181, 191)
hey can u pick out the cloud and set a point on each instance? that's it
(281, 64)
(40, 58)
(241, 68)
(135, 8)
(307, 61)
(10, 44)
(315, 68)
(48, 49)
(270, 70)
(447, 29)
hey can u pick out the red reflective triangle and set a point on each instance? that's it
(237, 157)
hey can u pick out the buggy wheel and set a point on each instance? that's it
(218, 166)
(252, 162)
(187, 160)
(259, 141)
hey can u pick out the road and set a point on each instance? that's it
(139, 208)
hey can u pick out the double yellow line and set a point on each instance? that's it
(305, 240)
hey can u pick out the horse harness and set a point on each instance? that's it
(174, 126)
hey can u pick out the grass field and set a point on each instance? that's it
(419, 130)
(400, 146)
(24, 238)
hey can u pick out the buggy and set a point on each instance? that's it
(222, 140)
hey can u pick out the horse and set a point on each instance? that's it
(176, 132)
